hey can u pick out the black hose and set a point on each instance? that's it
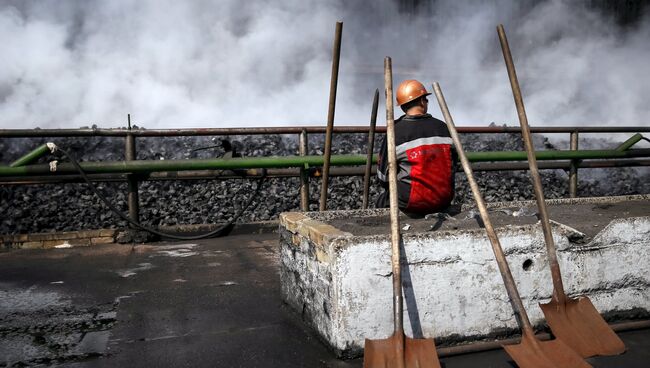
(223, 230)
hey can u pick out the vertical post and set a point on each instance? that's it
(336, 55)
(133, 197)
(371, 146)
(303, 144)
(573, 170)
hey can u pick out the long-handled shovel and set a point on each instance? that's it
(530, 352)
(576, 321)
(398, 350)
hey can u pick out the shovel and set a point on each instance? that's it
(576, 321)
(397, 351)
(530, 352)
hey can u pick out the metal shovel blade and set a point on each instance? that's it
(384, 353)
(579, 325)
(532, 353)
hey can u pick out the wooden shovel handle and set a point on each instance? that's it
(520, 312)
(558, 287)
(392, 191)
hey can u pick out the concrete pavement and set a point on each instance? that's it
(209, 303)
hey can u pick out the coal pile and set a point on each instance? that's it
(68, 207)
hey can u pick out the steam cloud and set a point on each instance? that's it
(234, 63)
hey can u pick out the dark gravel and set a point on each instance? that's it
(66, 207)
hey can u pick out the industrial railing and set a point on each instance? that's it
(22, 171)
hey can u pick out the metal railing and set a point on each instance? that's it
(303, 166)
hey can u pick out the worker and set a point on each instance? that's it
(426, 160)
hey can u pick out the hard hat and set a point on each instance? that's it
(409, 90)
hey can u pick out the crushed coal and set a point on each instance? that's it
(73, 206)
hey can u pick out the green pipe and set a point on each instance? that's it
(555, 155)
(34, 155)
(630, 142)
(147, 166)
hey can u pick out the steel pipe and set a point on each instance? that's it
(292, 172)
(630, 142)
(303, 143)
(361, 128)
(336, 57)
(498, 344)
(146, 166)
(371, 147)
(573, 169)
(32, 156)
(133, 198)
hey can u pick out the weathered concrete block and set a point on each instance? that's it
(102, 240)
(30, 245)
(335, 269)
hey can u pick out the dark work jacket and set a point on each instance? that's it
(426, 165)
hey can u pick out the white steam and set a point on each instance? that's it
(231, 63)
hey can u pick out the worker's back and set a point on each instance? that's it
(425, 161)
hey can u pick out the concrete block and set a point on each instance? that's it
(341, 284)
(18, 238)
(102, 240)
(107, 232)
(88, 234)
(30, 245)
(67, 243)
(52, 236)
(291, 220)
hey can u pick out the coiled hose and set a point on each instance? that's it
(221, 231)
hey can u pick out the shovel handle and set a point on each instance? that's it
(392, 192)
(558, 287)
(515, 300)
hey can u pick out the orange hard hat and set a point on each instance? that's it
(409, 90)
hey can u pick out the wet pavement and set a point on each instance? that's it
(208, 303)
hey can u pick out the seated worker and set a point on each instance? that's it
(426, 160)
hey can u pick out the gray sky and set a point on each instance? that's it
(231, 63)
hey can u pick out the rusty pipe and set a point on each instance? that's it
(336, 56)
(371, 146)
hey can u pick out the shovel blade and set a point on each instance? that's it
(532, 353)
(579, 325)
(384, 353)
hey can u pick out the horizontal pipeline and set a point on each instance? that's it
(103, 132)
(294, 172)
(147, 166)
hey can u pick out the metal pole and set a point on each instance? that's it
(133, 197)
(295, 172)
(573, 171)
(303, 143)
(336, 55)
(195, 132)
(371, 146)
(630, 142)
(148, 166)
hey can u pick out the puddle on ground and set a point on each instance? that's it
(134, 271)
(227, 283)
(44, 327)
(177, 250)
(28, 300)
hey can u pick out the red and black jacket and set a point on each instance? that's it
(426, 163)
